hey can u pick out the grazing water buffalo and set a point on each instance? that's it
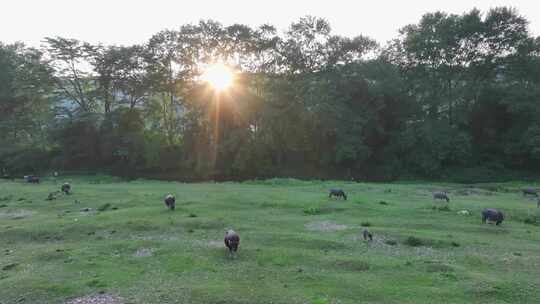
(367, 235)
(493, 215)
(66, 188)
(529, 191)
(441, 196)
(170, 201)
(232, 241)
(337, 193)
(31, 179)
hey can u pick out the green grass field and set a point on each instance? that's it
(297, 246)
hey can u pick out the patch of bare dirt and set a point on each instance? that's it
(474, 191)
(15, 215)
(209, 244)
(154, 237)
(325, 226)
(97, 299)
(144, 252)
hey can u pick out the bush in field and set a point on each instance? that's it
(390, 242)
(313, 211)
(6, 198)
(104, 207)
(413, 241)
(444, 208)
(531, 219)
(320, 301)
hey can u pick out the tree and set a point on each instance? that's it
(25, 108)
(70, 60)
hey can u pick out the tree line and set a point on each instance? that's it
(452, 94)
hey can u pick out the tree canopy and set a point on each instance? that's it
(452, 92)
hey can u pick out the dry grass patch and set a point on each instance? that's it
(325, 226)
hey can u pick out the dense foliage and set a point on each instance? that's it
(451, 93)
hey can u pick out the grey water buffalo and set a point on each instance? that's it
(492, 215)
(441, 196)
(367, 235)
(232, 241)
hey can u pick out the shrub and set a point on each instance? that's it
(6, 198)
(282, 182)
(104, 207)
(413, 241)
(444, 208)
(365, 224)
(390, 242)
(52, 196)
(96, 283)
(313, 211)
(437, 267)
(531, 219)
(320, 301)
(383, 203)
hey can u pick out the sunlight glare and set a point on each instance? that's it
(219, 76)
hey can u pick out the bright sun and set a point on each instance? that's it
(219, 76)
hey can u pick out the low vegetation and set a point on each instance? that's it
(138, 251)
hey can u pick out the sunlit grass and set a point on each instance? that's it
(297, 246)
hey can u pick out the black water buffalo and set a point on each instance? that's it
(232, 241)
(337, 193)
(441, 196)
(66, 188)
(32, 179)
(170, 201)
(493, 215)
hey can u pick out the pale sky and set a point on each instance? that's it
(134, 21)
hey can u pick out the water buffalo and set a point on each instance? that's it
(170, 201)
(337, 193)
(232, 241)
(441, 196)
(31, 179)
(367, 235)
(493, 215)
(66, 188)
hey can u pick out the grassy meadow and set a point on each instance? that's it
(117, 238)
